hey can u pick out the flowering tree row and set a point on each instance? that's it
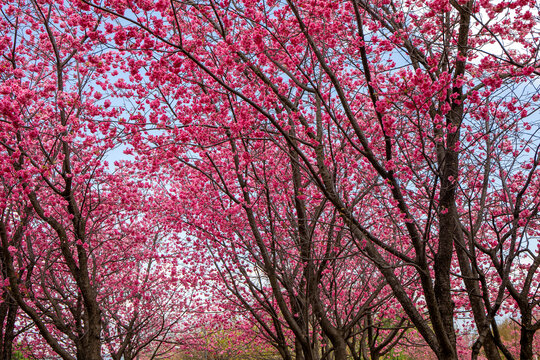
(341, 179)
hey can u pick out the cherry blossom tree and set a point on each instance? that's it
(36, 139)
(81, 258)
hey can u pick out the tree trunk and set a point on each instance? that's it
(8, 310)
(340, 349)
(526, 343)
(92, 348)
(298, 351)
(491, 350)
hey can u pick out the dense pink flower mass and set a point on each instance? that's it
(288, 179)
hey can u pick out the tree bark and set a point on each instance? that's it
(526, 337)
(8, 316)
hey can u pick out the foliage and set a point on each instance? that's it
(325, 179)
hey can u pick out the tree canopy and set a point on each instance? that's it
(315, 179)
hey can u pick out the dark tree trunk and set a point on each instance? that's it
(298, 351)
(8, 316)
(526, 337)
